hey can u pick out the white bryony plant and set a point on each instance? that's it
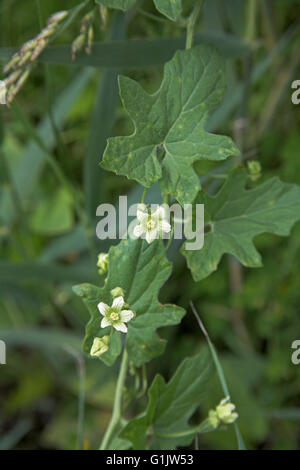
(223, 414)
(115, 316)
(152, 224)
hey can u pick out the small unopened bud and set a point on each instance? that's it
(117, 292)
(102, 263)
(58, 17)
(3, 92)
(38, 50)
(77, 46)
(100, 346)
(46, 32)
(12, 63)
(15, 88)
(25, 58)
(90, 40)
(12, 78)
(28, 46)
(254, 170)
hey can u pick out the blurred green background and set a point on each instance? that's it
(64, 114)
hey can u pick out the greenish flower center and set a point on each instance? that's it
(151, 224)
(114, 316)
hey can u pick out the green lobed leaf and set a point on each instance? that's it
(236, 215)
(171, 405)
(140, 270)
(172, 121)
(170, 8)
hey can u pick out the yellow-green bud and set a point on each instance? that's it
(77, 45)
(90, 37)
(102, 263)
(100, 346)
(225, 411)
(223, 414)
(213, 419)
(117, 292)
(254, 170)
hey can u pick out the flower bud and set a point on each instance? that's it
(223, 414)
(100, 346)
(102, 263)
(254, 170)
(58, 17)
(77, 45)
(117, 292)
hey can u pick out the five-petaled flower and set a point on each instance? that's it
(114, 316)
(151, 225)
(224, 413)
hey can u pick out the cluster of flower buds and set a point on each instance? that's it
(19, 67)
(86, 36)
(223, 414)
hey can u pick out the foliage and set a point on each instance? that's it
(62, 121)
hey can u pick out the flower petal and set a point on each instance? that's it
(165, 226)
(120, 327)
(142, 212)
(138, 231)
(152, 235)
(102, 307)
(118, 302)
(159, 213)
(105, 322)
(126, 315)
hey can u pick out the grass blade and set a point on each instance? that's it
(220, 371)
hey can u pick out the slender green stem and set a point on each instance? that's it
(203, 427)
(251, 20)
(191, 24)
(170, 239)
(116, 415)
(81, 402)
(144, 195)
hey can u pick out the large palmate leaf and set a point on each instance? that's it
(234, 216)
(170, 8)
(140, 270)
(170, 124)
(171, 405)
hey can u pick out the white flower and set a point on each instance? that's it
(224, 413)
(100, 346)
(151, 225)
(114, 315)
